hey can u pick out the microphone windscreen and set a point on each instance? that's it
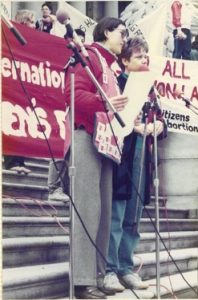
(62, 16)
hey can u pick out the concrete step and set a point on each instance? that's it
(35, 160)
(147, 225)
(51, 281)
(35, 226)
(40, 166)
(41, 250)
(25, 207)
(161, 199)
(185, 260)
(30, 179)
(31, 226)
(166, 213)
(25, 191)
(47, 249)
(24, 251)
(33, 207)
(179, 288)
(173, 240)
(36, 167)
(36, 282)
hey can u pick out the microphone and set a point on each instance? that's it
(13, 29)
(186, 100)
(188, 103)
(63, 17)
(180, 95)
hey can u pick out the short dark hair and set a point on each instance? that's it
(80, 32)
(48, 4)
(106, 23)
(132, 45)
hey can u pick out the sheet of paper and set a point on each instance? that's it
(137, 88)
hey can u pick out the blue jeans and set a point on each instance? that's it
(182, 48)
(124, 234)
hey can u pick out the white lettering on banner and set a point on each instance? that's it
(36, 74)
(60, 118)
(22, 122)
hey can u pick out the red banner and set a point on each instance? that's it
(40, 65)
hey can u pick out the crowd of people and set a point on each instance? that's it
(106, 194)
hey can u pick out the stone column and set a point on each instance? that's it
(111, 9)
(79, 5)
(178, 170)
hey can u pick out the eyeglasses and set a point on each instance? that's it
(124, 33)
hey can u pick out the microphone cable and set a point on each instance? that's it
(63, 181)
(129, 175)
(142, 202)
(52, 157)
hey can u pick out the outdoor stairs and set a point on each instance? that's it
(36, 243)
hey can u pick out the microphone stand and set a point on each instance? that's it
(70, 64)
(72, 180)
(154, 107)
(142, 160)
(156, 187)
(189, 105)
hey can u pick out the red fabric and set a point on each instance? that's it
(176, 13)
(87, 100)
(44, 56)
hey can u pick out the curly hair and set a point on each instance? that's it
(23, 16)
(132, 45)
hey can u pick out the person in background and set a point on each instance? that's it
(126, 209)
(79, 32)
(46, 23)
(16, 163)
(194, 49)
(56, 192)
(93, 171)
(26, 17)
(181, 14)
(55, 186)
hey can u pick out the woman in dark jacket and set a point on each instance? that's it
(127, 206)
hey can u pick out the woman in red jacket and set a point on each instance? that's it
(93, 176)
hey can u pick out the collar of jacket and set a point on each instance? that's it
(109, 56)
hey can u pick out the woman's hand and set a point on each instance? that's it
(149, 128)
(119, 102)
